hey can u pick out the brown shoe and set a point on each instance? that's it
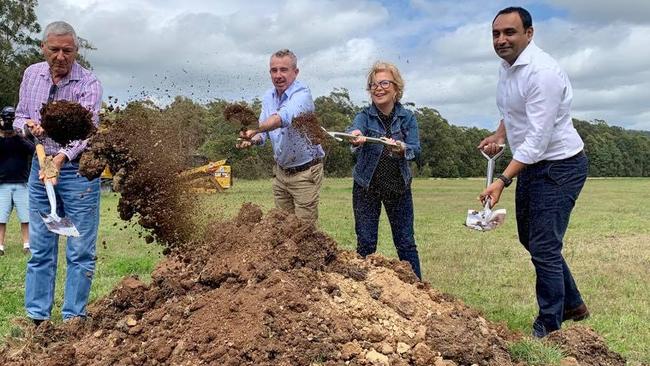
(576, 314)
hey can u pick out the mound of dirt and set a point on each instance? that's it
(585, 345)
(271, 290)
(65, 121)
(140, 152)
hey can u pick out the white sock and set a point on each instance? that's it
(26, 245)
(2, 247)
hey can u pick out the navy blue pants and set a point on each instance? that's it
(546, 194)
(367, 208)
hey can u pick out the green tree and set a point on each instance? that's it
(18, 47)
(336, 112)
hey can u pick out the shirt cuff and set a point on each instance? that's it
(68, 153)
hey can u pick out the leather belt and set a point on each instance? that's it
(301, 168)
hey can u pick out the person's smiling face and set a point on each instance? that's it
(509, 36)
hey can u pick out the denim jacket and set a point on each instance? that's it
(404, 128)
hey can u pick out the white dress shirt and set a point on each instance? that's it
(534, 97)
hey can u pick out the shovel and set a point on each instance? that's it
(486, 219)
(339, 136)
(54, 223)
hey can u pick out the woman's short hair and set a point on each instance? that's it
(388, 67)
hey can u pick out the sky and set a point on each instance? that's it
(208, 49)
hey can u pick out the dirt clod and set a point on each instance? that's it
(309, 126)
(240, 114)
(65, 121)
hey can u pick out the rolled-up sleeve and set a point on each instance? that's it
(22, 109)
(298, 103)
(411, 138)
(543, 99)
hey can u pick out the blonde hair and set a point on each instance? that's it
(380, 66)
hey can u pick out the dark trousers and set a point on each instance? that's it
(546, 194)
(399, 208)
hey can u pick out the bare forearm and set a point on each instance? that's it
(270, 124)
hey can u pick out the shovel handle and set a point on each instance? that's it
(40, 152)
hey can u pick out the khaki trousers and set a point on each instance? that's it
(298, 193)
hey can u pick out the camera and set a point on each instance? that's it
(8, 115)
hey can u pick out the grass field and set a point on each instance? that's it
(607, 247)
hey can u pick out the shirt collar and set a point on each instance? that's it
(525, 57)
(399, 110)
(74, 74)
(293, 87)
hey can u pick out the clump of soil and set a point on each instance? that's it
(145, 161)
(586, 346)
(271, 290)
(240, 114)
(65, 121)
(309, 126)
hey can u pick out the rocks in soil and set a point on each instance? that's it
(65, 121)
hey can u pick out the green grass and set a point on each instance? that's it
(606, 246)
(536, 353)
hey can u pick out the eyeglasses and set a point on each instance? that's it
(384, 84)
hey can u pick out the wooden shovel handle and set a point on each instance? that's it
(40, 152)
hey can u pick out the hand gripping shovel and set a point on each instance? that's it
(54, 223)
(486, 219)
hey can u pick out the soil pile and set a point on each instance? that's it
(271, 290)
(65, 121)
(145, 160)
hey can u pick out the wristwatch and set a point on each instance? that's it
(506, 181)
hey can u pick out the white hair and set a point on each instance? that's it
(60, 28)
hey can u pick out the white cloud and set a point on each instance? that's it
(220, 49)
(599, 11)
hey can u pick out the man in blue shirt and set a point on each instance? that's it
(298, 172)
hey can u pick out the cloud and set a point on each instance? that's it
(220, 49)
(599, 11)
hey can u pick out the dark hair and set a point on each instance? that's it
(526, 19)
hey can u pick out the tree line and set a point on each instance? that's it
(448, 151)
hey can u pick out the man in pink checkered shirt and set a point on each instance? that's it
(60, 77)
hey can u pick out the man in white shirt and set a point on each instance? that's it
(534, 97)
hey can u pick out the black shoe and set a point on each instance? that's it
(37, 322)
(539, 330)
(576, 314)
(2, 252)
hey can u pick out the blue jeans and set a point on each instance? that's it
(78, 199)
(367, 208)
(546, 194)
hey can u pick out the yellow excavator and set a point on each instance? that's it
(205, 177)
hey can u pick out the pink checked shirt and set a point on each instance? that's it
(80, 86)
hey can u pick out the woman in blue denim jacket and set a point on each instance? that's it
(382, 174)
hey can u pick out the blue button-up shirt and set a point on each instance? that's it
(290, 147)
